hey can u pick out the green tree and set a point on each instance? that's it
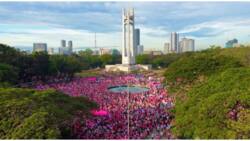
(189, 68)
(87, 52)
(8, 74)
(205, 113)
(143, 59)
(106, 59)
(64, 65)
(40, 64)
(9, 55)
(30, 114)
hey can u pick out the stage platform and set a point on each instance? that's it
(127, 68)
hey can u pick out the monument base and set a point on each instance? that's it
(127, 68)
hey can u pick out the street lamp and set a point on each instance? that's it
(128, 106)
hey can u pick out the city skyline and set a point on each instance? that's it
(22, 23)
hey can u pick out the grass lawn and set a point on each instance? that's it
(89, 73)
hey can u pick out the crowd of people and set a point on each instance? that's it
(233, 114)
(142, 115)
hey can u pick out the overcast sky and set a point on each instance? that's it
(22, 23)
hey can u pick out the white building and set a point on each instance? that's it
(103, 51)
(167, 48)
(39, 47)
(187, 45)
(51, 51)
(174, 42)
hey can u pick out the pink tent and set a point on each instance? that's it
(99, 112)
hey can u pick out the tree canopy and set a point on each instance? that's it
(205, 113)
(188, 68)
(8, 74)
(211, 88)
(30, 114)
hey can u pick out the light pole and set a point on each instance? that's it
(128, 106)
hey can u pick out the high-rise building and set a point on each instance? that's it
(174, 42)
(70, 44)
(167, 48)
(186, 45)
(231, 43)
(191, 44)
(63, 50)
(63, 43)
(51, 51)
(137, 39)
(39, 47)
(70, 47)
(137, 36)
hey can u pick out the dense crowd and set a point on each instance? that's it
(148, 111)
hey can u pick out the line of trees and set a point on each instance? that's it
(32, 114)
(160, 61)
(17, 66)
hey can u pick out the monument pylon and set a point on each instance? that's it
(128, 45)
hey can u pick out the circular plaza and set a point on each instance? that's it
(129, 106)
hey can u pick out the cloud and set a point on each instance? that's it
(215, 28)
(75, 17)
(52, 21)
(156, 32)
(52, 36)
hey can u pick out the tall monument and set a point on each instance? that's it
(128, 43)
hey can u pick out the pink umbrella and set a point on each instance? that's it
(99, 112)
